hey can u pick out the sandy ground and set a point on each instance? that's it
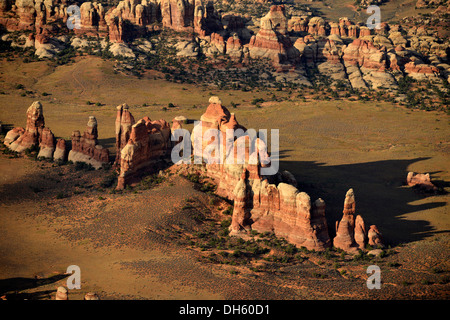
(134, 245)
(128, 247)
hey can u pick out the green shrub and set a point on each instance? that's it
(109, 181)
(228, 211)
(79, 165)
(61, 195)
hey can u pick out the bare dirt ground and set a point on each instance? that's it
(146, 244)
(168, 241)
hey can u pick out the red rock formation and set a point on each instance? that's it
(60, 153)
(420, 180)
(334, 28)
(5, 6)
(374, 236)
(270, 41)
(218, 42)
(289, 214)
(258, 205)
(241, 210)
(26, 13)
(216, 117)
(344, 25)
(351, 233)
(89, 17)
(124, 122)
(234, 48)
(177, 123)
(61, 294)
(177, 14)
(360, 232)
(364, 54)
(46, 144)
(345, 228)
(85, 148)
(327, 51)
(298, 24)
(364, 31)
(353, 31)
(115, 29)
(33, 129)
(420, 71)
(13, 135)
(149, 141)
(316, 26)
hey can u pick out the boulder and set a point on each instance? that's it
(421, 181)
(91, 296)
(61, 294)
(122, 50)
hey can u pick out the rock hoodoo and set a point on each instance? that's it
(351, 233)
(148, 142)
(271, 40)
(421, 181)
(370, 61)
(18, 139)
(232, 157)
(85, 148)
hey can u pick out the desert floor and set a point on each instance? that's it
(144, 243)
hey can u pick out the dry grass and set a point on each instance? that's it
(329, 146)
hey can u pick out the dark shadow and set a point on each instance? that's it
(12, 286)
(283, 154)
(39, 295)
(381, 195)
(5, 127)
(109, 143)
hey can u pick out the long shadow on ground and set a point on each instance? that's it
(381, 197)
(11, 287)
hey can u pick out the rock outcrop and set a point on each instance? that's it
(351, 233)
(271, 40)
(258, 204)
(366, 65)
(20, 139)
(371, 61)
(85, 148)
(124, 122)
(60, 153)
(421, 181)
(61, 294)
(374, 237)
(148, 143)
(345, 228)
(46, 144)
